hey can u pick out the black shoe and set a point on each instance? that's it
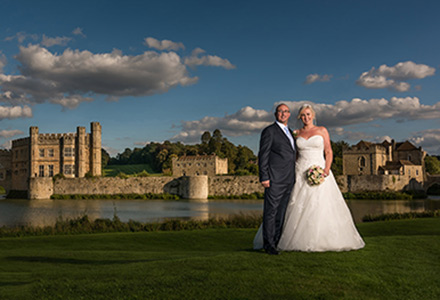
(272, 251)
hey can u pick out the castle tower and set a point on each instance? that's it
(33, 151)
(95, 149)
(80, 151)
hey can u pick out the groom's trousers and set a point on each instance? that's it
(276, 198)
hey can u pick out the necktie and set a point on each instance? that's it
(286, 130)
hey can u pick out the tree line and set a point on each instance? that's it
(241, 159)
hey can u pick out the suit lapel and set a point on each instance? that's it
(280, 131)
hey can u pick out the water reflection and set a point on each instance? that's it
(46, 212)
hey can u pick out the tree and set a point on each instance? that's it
(432, 165)
(105, 157)
(206, 136)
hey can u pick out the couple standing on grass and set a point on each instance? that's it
(297, 215)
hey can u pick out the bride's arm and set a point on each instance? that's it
(328, 152)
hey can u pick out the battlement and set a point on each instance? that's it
(56, 136)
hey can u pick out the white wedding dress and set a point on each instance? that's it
(317, 218)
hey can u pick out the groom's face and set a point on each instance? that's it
(282, 114)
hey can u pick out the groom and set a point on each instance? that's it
(276, 161)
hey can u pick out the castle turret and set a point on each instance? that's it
(80, 151)
(95, 149)
(33, 151)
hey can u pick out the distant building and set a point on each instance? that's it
(45, 155)
(402, 159)
(210, 165)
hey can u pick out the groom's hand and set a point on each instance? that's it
(266, 183)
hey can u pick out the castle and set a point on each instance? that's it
(403, 163)
(45, 155)
(194, 165)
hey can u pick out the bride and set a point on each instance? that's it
(317, 217)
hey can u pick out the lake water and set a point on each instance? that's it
(46, 212)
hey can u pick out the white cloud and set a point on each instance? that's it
(428, 139)
(14, 112)
(79, 31)
(60, 41)
(244, 122)
(64, 78)
(316, 77)
(21, 37)
(249, 121)
(163, 45)
(394, 77)
(71, 102)
(207, 60)
(10, 133)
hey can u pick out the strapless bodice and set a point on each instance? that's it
(310, 152)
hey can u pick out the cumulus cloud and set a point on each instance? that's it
(249, 121)
(64, 78)
(10, 133)
(198, 58)
(316, 77)
(79, 31)
(428, 139)
(350, 135)
(163, 45)
(15, 112)
(60, 41)
(395, 77)
(246, 121)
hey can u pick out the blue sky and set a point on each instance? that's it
(170, 70)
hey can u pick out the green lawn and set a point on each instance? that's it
(401, 260)
(113, 170)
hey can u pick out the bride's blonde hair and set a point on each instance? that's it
(303, 107)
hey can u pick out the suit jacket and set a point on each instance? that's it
(276, 157)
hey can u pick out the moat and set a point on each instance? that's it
(46, 212)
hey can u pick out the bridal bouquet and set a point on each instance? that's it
(315, 175)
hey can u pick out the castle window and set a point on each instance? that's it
(41, 171)
(205, 173)
(362, 161)
(68, 151)
(178, 165)
(41, 152)
(417, 172)
(50, 152)
(68, 169)
(2, 176)
(409, 157)
(50, 170)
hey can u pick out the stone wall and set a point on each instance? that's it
(199, 186)
(40, 188)
(234, 185)
(355, 183)
(115, 185)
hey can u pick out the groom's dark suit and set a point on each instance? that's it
(276, 162)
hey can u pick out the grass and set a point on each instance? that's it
(401, 260)
(113, 170)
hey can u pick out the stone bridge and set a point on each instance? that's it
(431, 180)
